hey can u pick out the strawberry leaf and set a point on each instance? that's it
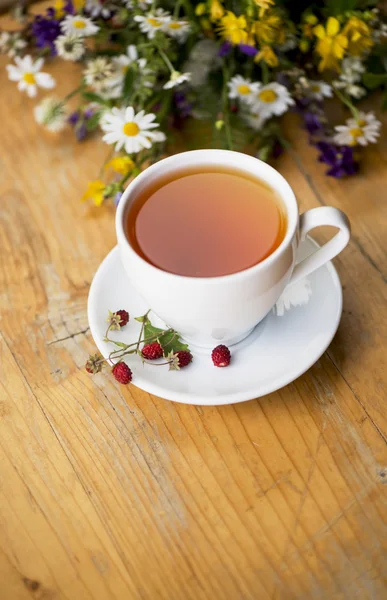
(168, 340)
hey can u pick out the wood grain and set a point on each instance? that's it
(111, 493)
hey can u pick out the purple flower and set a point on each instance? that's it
(79, 120)
(88, 113)
(46, 30)
(81, 131)
(247, 49)
(340, 159)
(225, 49)
(183, 105)
(312, 122)
(69, 8)
(117, 198)
(74, 117)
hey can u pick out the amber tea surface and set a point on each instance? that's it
(206, 223)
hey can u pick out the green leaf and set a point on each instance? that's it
(169, 340)
(119, 344)
(339, 7)
(374, 80)
(92, 97)
(128, 83)
(93, 122)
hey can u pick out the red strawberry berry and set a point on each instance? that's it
(124, 317)
(122, 373)
(184, 357)
(221, 356)
(152, 351)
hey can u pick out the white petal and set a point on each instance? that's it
(31, 91)
(45, 80)
(132, 52)
(129, 114)
(38, 65)
(14, 73)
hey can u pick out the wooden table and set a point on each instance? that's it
(107, 492)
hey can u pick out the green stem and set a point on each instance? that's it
(109, 155)
(73, 93)
(166, 60)
(347, 102)
(177, 8)
(265, 73)
(226, 118)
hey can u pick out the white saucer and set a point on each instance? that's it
(281, 348)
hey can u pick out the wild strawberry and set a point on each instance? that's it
(152, 351)
(184, 357)
(124, 317)
(122, 373)
(221, 356)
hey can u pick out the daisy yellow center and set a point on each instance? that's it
(356, 132)
(268, 96)
(131, 129)
(124, 68)
(154, 22)
(315, 88)
(174, 26)
(362, 123)
(78, 24)
(29, 78)
(243, 89)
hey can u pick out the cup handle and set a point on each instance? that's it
(323, 215)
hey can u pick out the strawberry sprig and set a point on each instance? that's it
(152, 343)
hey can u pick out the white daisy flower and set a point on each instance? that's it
(153, 21)
(51, 113)
(271, 99)
(27, 74)
(70, 47)
(352, 69)
(124, 61)
(176, 79)
(242, 88)
(361, 131)
(96, 8)
(126, 129)
(178, 30)
(100, 73)
(110, 91)
(142, 5)
(320, 90)
(254, 120)
(11, 43)
(78, 25)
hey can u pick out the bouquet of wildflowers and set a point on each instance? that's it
(148, 67)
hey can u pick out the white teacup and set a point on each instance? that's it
(208, 311)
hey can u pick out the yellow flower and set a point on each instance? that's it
(79, 5)
(269, 29)
(120, 164)
(233, 28)
(309, 22)
(359, 36)
(216, 10)
(263, 6)
(201, 9)
(331, 44)
(59, 8)
(95, 191)
(268, 55)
